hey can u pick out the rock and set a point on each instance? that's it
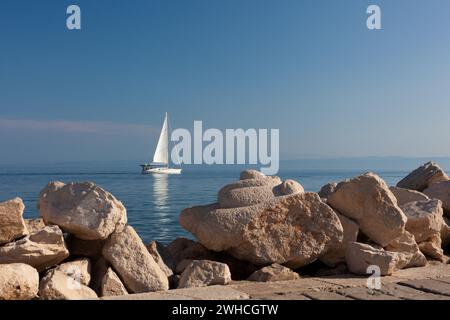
(156, 249)
(405, 196)
(406, 243)
(134, 264)
(56, 285)
(84, 248)
(423, 177)
(291, 187)
(34, 225)
(82, 209)
(248, 192)
(336, 253)
(271, 182)
(202, 273)
(274, 272)
(432, 248)
(42, 249)
(12, 225)
(282, 230)
(360, 257)
(245, 196)
(327, 189)
(251, 174)
(441, 191)
(111, 285)
(79, 270)
(368, 201)
(425, 218)
(18, 281)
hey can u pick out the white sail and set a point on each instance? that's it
(160, 164)
(162, 149)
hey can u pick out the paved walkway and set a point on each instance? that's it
(431, 282)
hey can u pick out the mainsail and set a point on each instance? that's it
(162, 149)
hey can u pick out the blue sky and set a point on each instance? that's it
(310, 68)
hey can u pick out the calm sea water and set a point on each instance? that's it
(154, 202)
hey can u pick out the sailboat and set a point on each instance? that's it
(160, 162)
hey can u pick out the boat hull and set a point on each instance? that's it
(161, 171)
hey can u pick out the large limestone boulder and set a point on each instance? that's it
(57, 285)
(18, 281)
(82, 209)
(202, 273)
(441, 191)
(406, 243)
(12, 225)
(79, 270)
(367, 200)
(42, 249)
(426, 223)
(292, 230)
(274, 272)
(112, 285)
(425, 218)
(134, 264)
(336, 254)
(360, 257)
(423, 177)
(404, 196)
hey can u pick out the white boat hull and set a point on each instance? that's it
(161, 171)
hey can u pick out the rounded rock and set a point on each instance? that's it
(82, 209)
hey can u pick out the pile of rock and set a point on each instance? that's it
(81, 248)
(358, 223)
(260, 229)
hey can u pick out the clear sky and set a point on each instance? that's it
(310, 68)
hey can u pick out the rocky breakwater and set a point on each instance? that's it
(259, 229)
(80, 248)
(349, 226)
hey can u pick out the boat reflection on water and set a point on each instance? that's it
(161, 205)
(161, 193)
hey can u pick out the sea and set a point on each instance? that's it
(154, 202)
